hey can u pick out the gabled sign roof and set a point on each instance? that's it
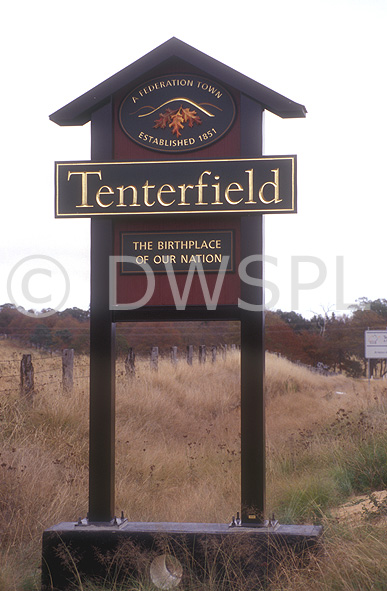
(79, 111)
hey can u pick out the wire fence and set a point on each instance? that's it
(64, 370)
(28, 373)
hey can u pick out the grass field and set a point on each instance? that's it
(178, 459)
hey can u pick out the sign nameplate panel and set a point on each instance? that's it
(263, 185)
(180, 249)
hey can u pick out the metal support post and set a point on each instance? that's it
(102, 348)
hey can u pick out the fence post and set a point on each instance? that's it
(27, 377)
(154, 359)
(68, 370)
(130, 363)
(213, 354)
(224, 351)
(202, 353)
(189, 354)
(174, 355)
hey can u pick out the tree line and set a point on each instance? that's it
(335, 341)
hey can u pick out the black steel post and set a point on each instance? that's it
(253, 439)
(253, 469)
(102, 354)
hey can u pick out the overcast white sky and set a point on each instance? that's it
(329, 55)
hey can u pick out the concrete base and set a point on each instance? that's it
(167, 553)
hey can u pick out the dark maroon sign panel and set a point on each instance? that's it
(132, 286)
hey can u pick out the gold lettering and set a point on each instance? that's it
(121, 193)
(276, 198)
(231, 188)
(164, 258)
(183, 189)
(138, 245)
(84, 185)
(200, 187)
(251, 186)
(165, 189)
(142, 259)
(214, 244)
(217, 192)
(105, 190)
(146, 188)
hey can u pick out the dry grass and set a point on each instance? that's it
(298, 398)
(178, 442)
(178, 458)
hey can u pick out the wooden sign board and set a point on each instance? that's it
(177, 179)
(175, 133)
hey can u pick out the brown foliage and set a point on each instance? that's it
(176, 118)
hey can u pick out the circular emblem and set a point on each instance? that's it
(177, 113)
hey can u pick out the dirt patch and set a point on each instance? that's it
(364, 506)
